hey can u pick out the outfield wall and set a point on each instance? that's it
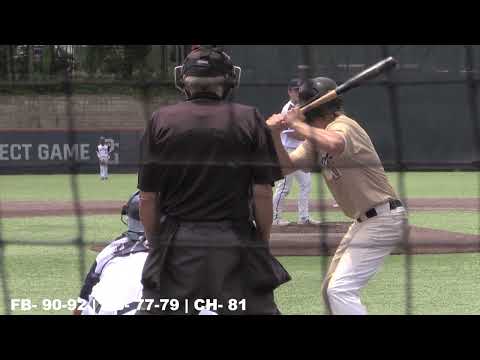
(88, 111)
(433, 94)
(45, 151)
(58, 151)
(425, 114)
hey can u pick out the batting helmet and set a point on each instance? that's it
(312, 89)
(132, 210)
(208, 61)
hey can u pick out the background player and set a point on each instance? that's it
(355, 176)
(103, 153)
(113, 285)
(291, 140)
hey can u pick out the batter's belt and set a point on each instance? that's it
(393, 204)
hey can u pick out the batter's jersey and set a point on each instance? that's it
(288, 141)
(103, 151)
(114, 280)
(356, 178)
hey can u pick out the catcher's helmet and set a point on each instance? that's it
(208, 61)
(132, 210)
(312, 89)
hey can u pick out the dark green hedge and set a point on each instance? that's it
(132, 89)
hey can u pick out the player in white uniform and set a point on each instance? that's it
(103, 153)
(113, 285)
(291, 140)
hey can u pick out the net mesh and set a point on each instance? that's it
(418, 75)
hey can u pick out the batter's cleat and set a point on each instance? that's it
(280, 222)
(335, 205)
(309, 222)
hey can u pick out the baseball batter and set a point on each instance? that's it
(291, 140)
(103, 153)
(356, 178)
(113, 285)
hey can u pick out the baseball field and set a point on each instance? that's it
(39, 227)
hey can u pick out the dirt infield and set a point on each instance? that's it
(67, 208)
(60, 208)
(298, 240)
(293, 240)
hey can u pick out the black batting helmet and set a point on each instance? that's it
(312, 89)
(208, 61)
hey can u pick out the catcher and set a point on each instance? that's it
(113, 285)
(355, 176)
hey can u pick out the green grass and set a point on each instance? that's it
(417, 185)
(98, 229)
(39, 272)
(102, 228)
(442, 284)
(467, 222)
(119, 186)
(58, 187)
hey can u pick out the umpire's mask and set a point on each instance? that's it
(208, 61)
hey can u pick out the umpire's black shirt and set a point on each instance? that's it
(202, 156)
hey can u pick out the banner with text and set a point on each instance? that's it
(54, 151)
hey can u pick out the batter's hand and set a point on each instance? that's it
(276, 123)
(294, 116)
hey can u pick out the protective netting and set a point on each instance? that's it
(397, 135)
(392, 85)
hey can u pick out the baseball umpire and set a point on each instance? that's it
(355, 176)
(206, 176)
(113, 285)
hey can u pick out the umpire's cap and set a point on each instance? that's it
(208, 61)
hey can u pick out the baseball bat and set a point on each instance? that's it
(357, 80)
